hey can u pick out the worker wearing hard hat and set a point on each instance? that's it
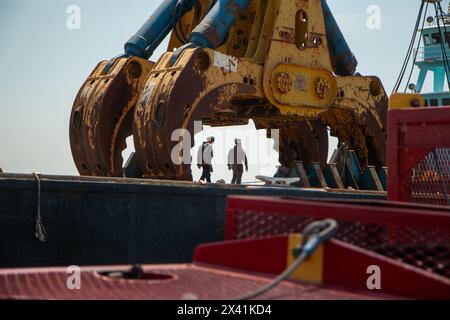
(236, 161)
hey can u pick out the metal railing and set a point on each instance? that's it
(430, 54)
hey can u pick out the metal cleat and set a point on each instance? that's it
(278, 181)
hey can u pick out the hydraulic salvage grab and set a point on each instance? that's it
(284, 64)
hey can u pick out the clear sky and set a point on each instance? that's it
(43, 64)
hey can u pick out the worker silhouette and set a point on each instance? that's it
(205, 156)
(236, 161)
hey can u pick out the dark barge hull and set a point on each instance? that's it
(98, 221)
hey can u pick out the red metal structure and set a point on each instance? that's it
(414, 235)
(409, 243)
(162, 282)
(419, 155)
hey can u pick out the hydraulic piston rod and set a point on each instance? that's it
(342, 58)
(157, 27)
(213, 30)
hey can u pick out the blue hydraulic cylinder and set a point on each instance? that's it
(214, 28)
(156, 28)
(343, 60)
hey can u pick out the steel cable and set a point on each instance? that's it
(443, 40)
(314, 234)
(417, 49)
(411, 46)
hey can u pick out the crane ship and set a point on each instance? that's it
(372, 222)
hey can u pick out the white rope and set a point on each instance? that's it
(40, 233)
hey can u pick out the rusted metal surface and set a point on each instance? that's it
(175, 97)
(360, 120)
(302, 141)
(264, 71)
(210, 86)
(102, 115)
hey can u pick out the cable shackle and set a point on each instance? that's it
(315, 234)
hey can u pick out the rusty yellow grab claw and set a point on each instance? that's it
(102, 116)
(283, 64)
(199, 88)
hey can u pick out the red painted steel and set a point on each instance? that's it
(266, 256)
(412, 234)
(343, 265)
(373, 232)
(184, 282)
(419, 155)
(347, 266)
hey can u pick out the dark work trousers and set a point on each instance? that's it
(206, 175)
(238, 171)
